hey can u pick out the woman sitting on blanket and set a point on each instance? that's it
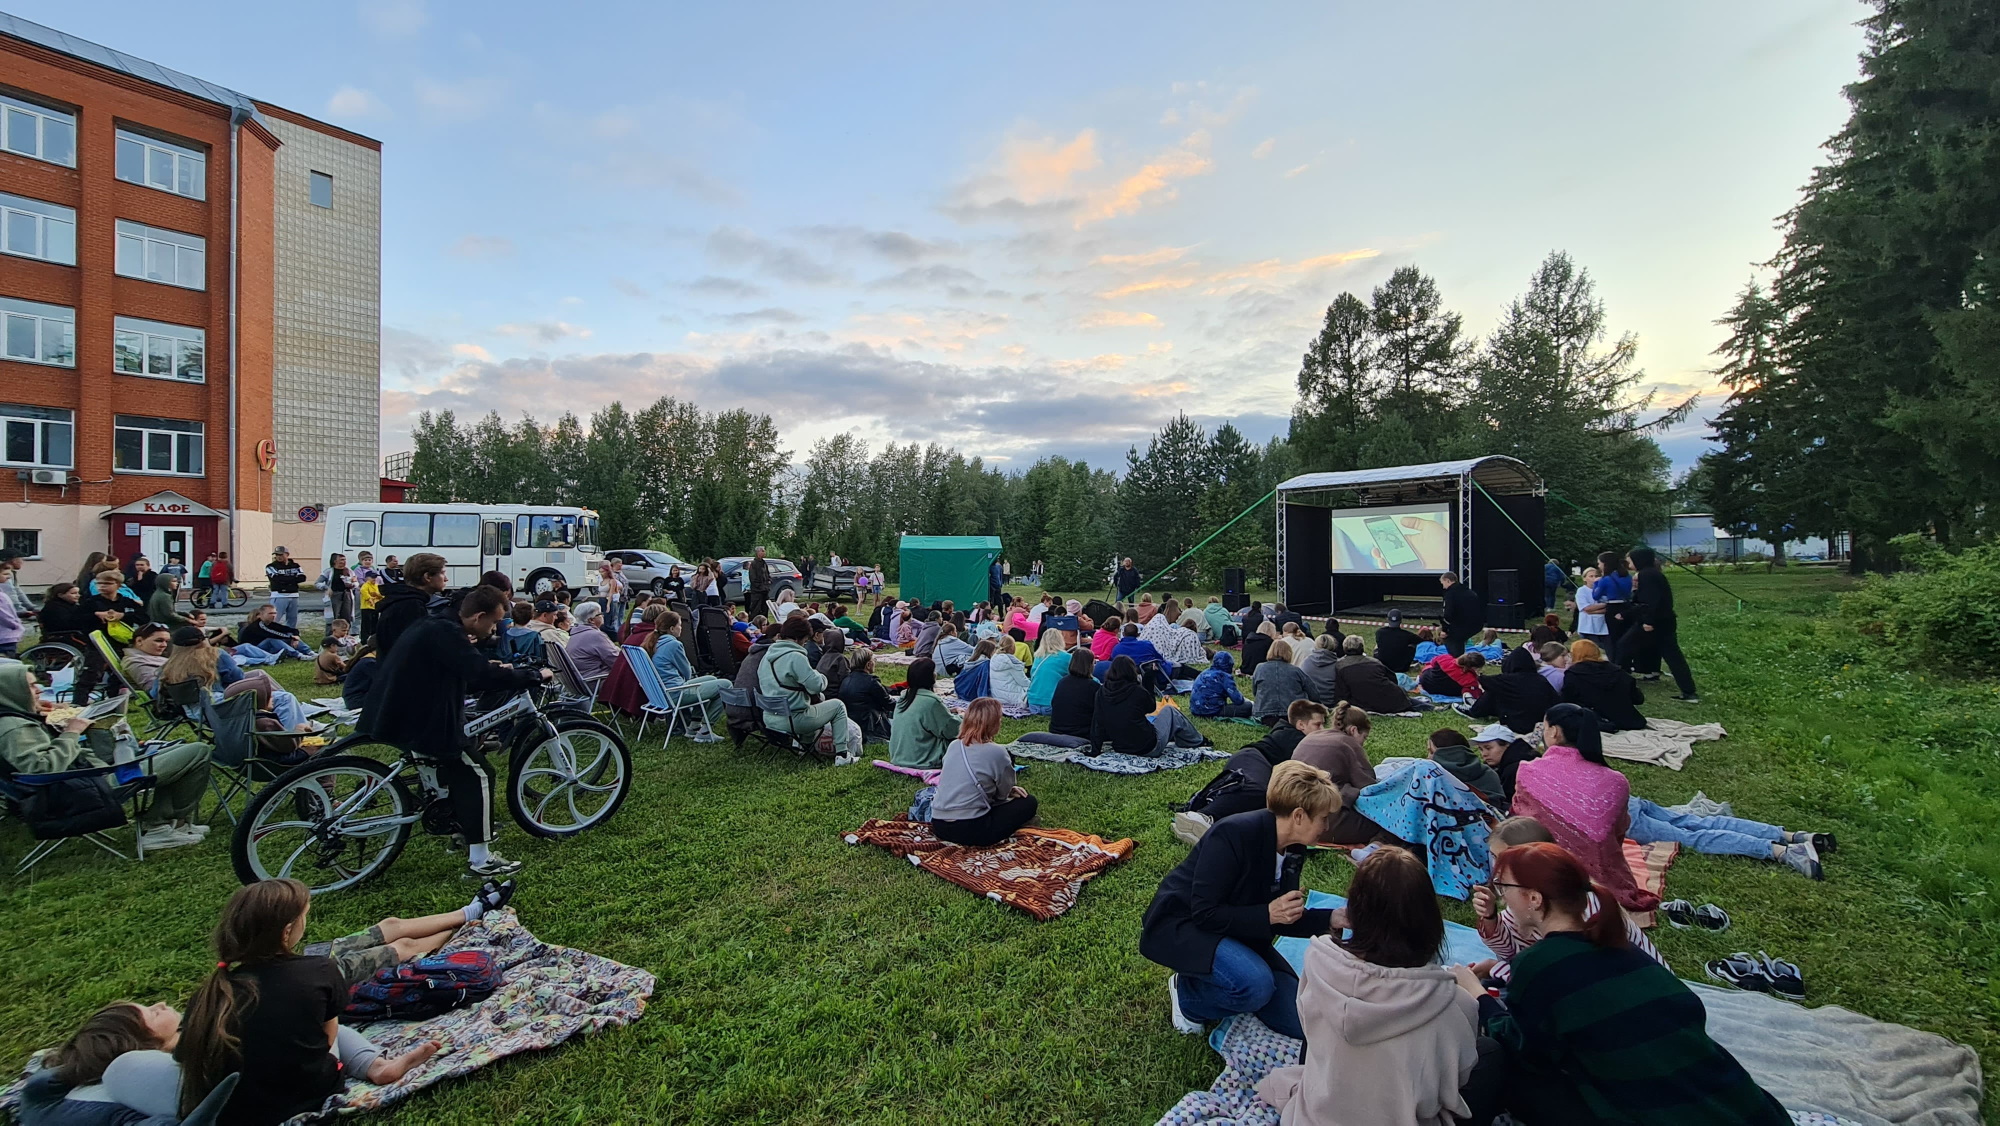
(1429, 644)
(274, 1015)
(922, 727)
(868, 703)
(1502, 932)
(1215, 916)
(1446, 675)
(1277, 684)
(1582, 801)
(1106, 638)
(1594, 1031)
(1390, 1037)
(1073, 708)
(1300, 642)
(1052, 661)
(1130, 720)
(1518, 697)
(977, 802)
(1340, 750)
(1257, 647)
(1503, 750)
(1604, 688)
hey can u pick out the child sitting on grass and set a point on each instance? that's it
(1490, 646)
(1496, 924)
(343, 636)
(274, 1015)
(329, 667)
(1428, 646)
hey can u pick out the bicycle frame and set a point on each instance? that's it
(520, 705)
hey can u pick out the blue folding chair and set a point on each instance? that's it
(667, 703)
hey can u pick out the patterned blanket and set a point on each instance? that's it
(1040, 871)
(1117, 762)
(1425, 805)
(950, 700)
(1649, 870)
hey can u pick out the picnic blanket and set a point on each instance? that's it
(1425, 805)
(1040, 871)
(951, 700)
(549, 993)
(1462, 944)
(1834, 1061)
(1664, 742)
(1250, 1051)
(1118, 762)
(1649, 863)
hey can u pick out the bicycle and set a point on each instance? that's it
(218, 597)
(50, 657)
(343, 816)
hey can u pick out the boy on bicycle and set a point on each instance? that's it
(417, 704)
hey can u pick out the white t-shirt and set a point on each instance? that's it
(1586, 622)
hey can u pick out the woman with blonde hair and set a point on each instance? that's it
(1298, 641)
(1607, 690)
(191, 657)
(1257, 647)
(977, 802)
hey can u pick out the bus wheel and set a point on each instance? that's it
(542, 582)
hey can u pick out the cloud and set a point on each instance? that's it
(897, 246)
(739, 247)
(482, 246)
(630, 288)
(714, 285)
(463, 100)
(957, 283)
(394, 19)
(1117, 318)
(1031, 177)
(629, 167)
(1264, 148)
(1152, 182)
(763, 316)
(352, 102)
(1296, 171)
(1149, 285)
(471, 351)
(409, 355)
(546, 331)
(1158, 257)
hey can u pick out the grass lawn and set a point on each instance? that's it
(802, 980)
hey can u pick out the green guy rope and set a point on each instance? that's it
(1614, 531)
(1211, 536)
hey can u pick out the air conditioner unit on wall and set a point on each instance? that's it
(49, 477)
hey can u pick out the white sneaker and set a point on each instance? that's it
(1191, 827)
(200, 831)
(1182, 1024)
(161, 837)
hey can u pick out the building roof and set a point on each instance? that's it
(951, 543)
(103, 56)
(1495, 473)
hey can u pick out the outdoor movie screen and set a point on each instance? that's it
(1410, 538)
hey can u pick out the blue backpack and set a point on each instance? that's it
(424, 987)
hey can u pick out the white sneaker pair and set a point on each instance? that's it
(161, 837)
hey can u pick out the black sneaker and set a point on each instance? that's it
(1823, 843)
(1687, 699)
(495, 896)
(494, 867)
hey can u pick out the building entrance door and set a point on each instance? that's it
(161, 545)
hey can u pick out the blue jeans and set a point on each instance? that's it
(1242, 982)
(250, 655)
(1718, 836)
(287, 708)
(287, 606)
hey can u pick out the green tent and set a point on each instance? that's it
(954, 567)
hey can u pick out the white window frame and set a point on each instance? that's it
(312, 181)
(45, 119)
(35, 532)
(175, 439)
(55, 332)
(177, 159)
(48, 219)
(154, 340)
(41, 418)
(153, 246)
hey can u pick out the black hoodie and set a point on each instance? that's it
(402, 606)
(418, 701)
(1609, 691)
(1519, 697)
(1124, 719)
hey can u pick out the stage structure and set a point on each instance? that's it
(1366, 540)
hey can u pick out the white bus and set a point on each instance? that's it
(532, 544)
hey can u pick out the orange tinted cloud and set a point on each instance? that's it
(1043, 169)
(1118, 318)
(1155, 180)
(1149, 285)
(1150, 258)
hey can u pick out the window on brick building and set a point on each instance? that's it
(38, 131)
(156, 445)
(322, 189)
(37, 436)
(162, 164)
(26, 541)
(160, 350)
(160, 255)
(33, 229)
(34, 333)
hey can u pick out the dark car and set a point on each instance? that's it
(647, 569)
(834, 582)
(784, 576)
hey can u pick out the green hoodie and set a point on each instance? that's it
(786, 671)
(920, 732)
(1466, 766)
(26, 743)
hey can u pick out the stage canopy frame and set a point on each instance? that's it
(1453, 481)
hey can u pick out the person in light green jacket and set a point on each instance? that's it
(160, 605)
(786, 671)
(1216, 619)
(922, 727)
(28, 747)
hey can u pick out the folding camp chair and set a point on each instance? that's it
(667, 703)
(774, 738)
(239, 762)
(714, 652)
(573, 684)
(114, 666)
(130, 786)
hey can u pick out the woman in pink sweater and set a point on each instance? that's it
(1581, 801)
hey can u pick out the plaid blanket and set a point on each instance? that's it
(1040, 871)
(958, 706)
(1649, 870)
(1116, 762)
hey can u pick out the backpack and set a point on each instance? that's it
(1230, 781)
(423, 988)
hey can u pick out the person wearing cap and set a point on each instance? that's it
(544, 623)
(1449, 749)
(1395, 646)
(1504, 751)
(286, 577)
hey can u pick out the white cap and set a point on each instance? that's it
(1494, 733)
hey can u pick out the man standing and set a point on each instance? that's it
(285, 576)
(221, 573)
(611, 585)
(418, 704)
(1552, 581)
(1464, 613)
(204, 576)
(806, 571)
(1127, 580)
(757, 591)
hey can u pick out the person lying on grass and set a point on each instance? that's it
(977, 802)
(1594, 1031)
(1215, 916)
(274, 1015)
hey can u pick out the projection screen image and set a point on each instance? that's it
(1404, 539)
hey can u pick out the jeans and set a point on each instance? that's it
(254, 654)
(1717, 836)
(1241, 981)
(287, 708)
(287, 606)
(279, 649)
(1173, 728)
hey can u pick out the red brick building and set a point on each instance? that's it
(140, 216)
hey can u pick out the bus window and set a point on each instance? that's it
(407, 529)
(586, 531)
(548, 531)
(455, 529)
(361, 533)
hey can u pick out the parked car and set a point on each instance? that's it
(784, 576)
(648, 569)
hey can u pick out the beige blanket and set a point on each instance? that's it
(1664, 742)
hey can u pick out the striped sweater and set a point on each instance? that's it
(1506, 941)
(1616, 1038)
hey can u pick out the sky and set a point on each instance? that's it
(1018, 229)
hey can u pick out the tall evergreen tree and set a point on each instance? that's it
(1159, 500)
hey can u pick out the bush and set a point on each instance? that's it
(1945, 609)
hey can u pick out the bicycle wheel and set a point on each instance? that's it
(237, 597)
(51, 657)
(565, 783)
(329, 823)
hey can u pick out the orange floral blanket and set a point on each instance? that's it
(1040, 871)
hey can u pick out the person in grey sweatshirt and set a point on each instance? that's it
(977, 802)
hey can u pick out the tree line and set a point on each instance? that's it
(1865, 375)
